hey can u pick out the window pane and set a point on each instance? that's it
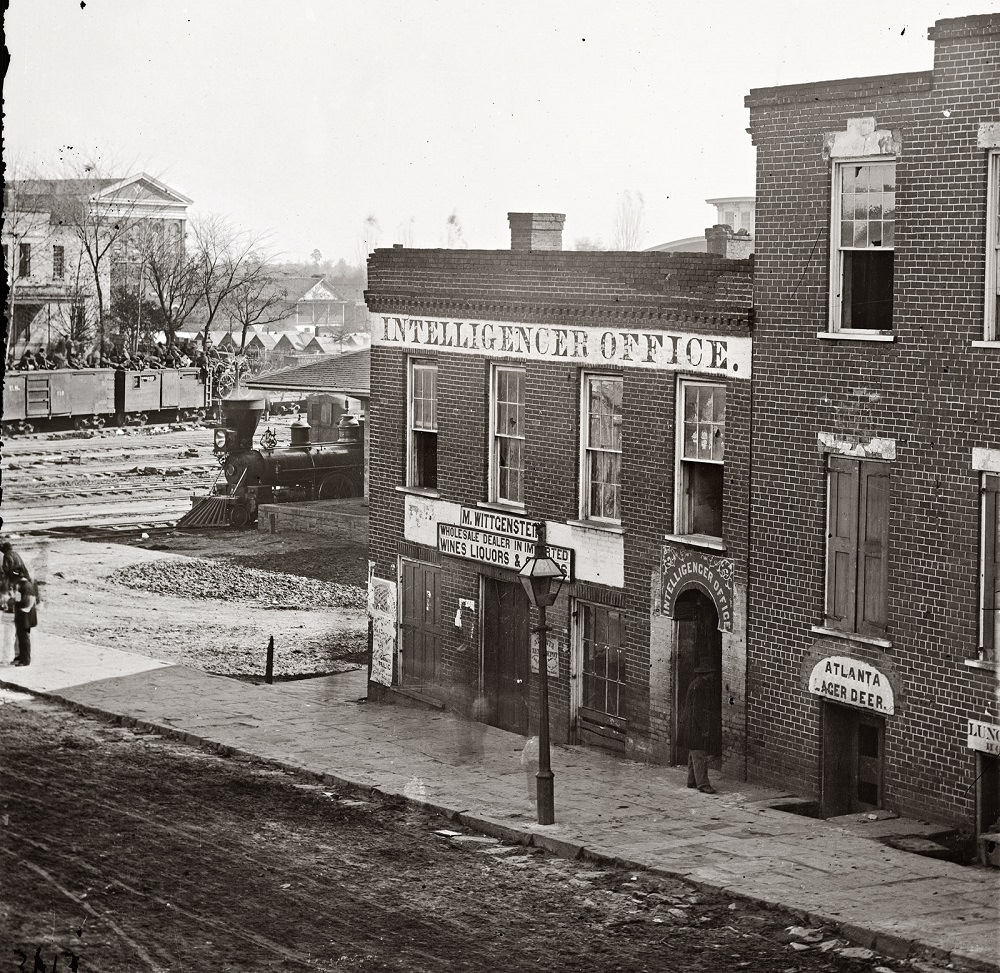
(604, 438)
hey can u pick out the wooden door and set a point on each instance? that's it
(506, 660)
(420, 647)
(853, 761)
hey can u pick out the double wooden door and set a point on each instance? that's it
(420, 655)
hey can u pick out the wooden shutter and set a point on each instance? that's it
(873, 575)
(842, 544)
(991, 564)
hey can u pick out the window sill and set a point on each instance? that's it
(856, 335)
(418, 491)
(993, 345)
(697, 540)
(600, 525)
(851, 636)
(510, 508)
(987, 665)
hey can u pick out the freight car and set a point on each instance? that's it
(86, 396)
(272, 474)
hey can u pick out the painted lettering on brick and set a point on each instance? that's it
(853, 683)
(728, 356)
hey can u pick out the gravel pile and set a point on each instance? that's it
(225, 581)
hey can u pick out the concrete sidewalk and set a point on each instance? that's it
(637, 815)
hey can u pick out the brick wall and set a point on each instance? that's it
(695, 293)
(929, 389)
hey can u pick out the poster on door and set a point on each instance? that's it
(555, 644)
(382, 609)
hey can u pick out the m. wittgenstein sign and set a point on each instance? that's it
(664, 350)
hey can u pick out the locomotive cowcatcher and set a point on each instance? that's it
(274, 474)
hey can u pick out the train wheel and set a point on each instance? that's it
(337, 486)
(239, 516)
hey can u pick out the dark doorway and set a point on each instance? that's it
(697, 641)
(420, 649)
(989, 793)
(506, 662)
(853, 755)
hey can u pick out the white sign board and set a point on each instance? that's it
(984, 737)
(629, 347)
(852, 683)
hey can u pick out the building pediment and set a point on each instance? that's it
(142, 188)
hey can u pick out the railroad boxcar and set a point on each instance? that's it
(79, 394)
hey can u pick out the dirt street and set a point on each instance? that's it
(209, 600)
(122, 851)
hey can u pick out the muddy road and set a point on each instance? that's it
(122, 852)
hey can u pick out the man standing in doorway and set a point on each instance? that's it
(695, 729)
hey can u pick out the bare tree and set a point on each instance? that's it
(256, 301)
(367, 243)
(455, 236)
(628, 229)
(227, 259)
(26, 223)
(101, 225)
(174, 280)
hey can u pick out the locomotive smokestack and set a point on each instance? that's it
(242, 414)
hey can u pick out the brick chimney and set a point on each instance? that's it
(724, 243)
(536, 231)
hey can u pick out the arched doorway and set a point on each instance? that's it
(697, 642)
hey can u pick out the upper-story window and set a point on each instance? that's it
(58, 262)
(602, 448)
(701, 452)
(863, 224)
(507, 455)
(990, 572)
(857, 542)
(24, 260)
(992, 329)
(423, 426)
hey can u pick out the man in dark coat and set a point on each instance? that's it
(695, 728)
(25, 617)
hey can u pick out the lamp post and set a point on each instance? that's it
(542, 578)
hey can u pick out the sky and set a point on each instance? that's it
(337, 125)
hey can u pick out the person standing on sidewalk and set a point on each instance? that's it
(695, 728)
(25, 617)
(12, 562)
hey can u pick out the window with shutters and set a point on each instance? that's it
(863, 229)
(857, 546)
(423, 427)
(990, 573)
(58, 262)
(24, 260)
(701, 447)
(507, 452)
(992, 329)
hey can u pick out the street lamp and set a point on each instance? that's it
(542, 578)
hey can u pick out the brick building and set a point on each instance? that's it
(874, 581)
(606, 395)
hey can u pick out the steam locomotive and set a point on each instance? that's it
(273, 474)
